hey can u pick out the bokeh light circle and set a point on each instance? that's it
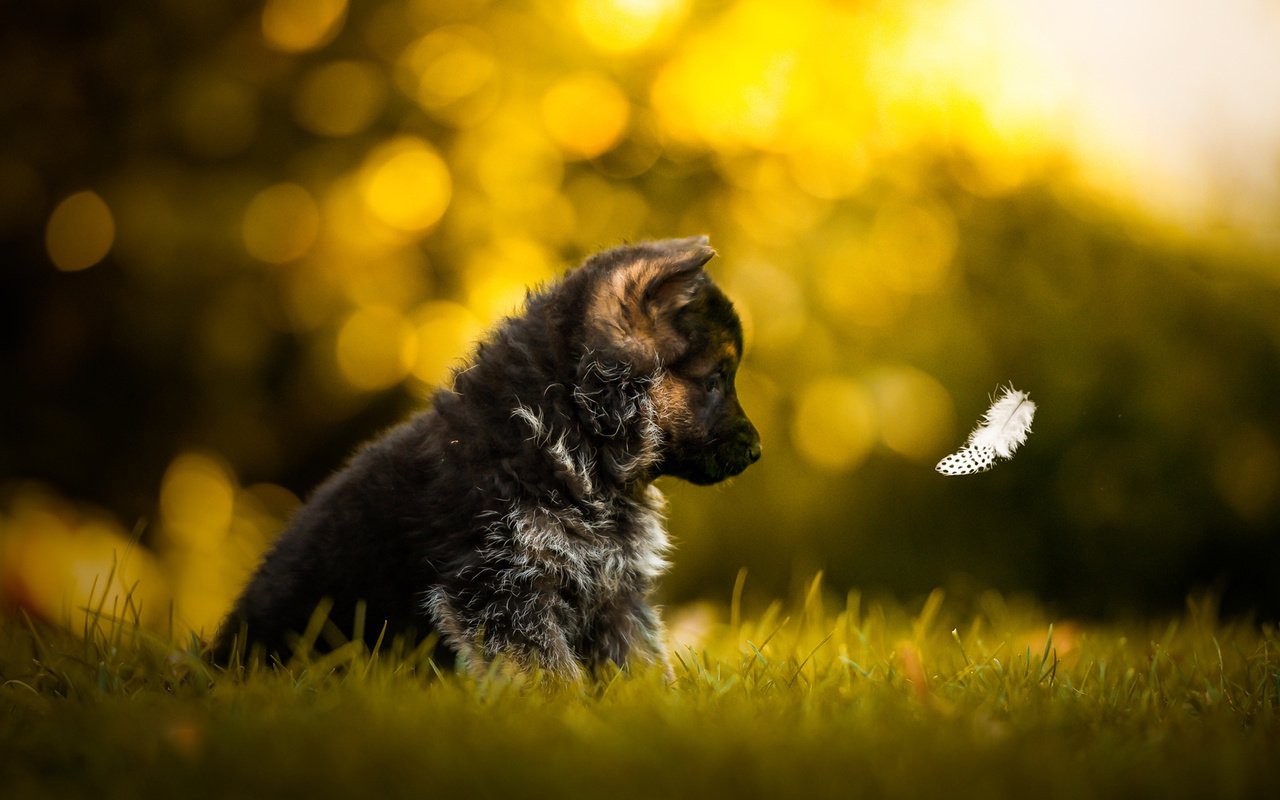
(446, 334)
(915, 412)
(406, 185)
(834, 427)
(340, 98)
(299, 25)
(625, 25)
(281, 223)
(376, 347)
(585, 114)
(80, 232)
(197, 497)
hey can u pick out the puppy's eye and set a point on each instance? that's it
(714, 383)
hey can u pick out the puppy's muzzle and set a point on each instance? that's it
(742, 452)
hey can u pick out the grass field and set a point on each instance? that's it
(980, 697)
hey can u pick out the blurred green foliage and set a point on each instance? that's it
(241, 237)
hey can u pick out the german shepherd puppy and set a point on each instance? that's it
(517, 516)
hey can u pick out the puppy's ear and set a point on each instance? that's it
(637, 299)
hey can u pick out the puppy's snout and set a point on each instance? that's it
(749, 439)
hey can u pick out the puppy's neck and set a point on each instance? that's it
(596, 469)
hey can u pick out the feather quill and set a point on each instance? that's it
(1000, 431)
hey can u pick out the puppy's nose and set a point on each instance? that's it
(753, 452)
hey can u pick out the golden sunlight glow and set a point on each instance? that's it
(1159, 103)
(447, 333)
(80, 232)
(299, 25)
(281, 223)
(406, 185)
(623, 25)
(585, 114)
(943, 80)
(724, 93)
(376, 347)
(834, 87)
(835, 423)
(340, 98)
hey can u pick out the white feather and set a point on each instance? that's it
(1004, 427)
(1006, 424)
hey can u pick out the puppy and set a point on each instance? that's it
(517, 516)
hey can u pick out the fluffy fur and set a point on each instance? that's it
(517, 516)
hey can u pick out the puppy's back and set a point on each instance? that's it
(360, 537)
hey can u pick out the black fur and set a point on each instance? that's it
(516, 517)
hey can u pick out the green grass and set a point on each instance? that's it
(985, 698)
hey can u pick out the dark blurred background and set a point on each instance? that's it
(239, 238)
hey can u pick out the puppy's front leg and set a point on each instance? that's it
(655, 638)
(541, 645)
(527, 629)
(523, 627)
(627, 628)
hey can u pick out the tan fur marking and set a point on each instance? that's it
(615, 306)
(671, 402)
(618, 310)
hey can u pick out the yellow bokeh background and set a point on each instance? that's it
(256, 253)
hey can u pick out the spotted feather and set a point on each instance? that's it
(1002, 428)
(968, 460)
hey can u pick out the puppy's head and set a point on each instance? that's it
(657, 318)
